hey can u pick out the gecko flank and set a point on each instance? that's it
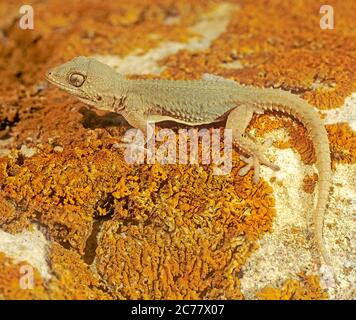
(199, 102)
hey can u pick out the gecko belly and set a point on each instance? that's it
(159, 118)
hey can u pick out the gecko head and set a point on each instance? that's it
(89, 80)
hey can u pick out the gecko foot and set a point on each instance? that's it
(255, 161)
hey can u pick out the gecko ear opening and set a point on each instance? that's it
(119, 104)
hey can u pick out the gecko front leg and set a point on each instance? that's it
(238, 120)
(140, 122)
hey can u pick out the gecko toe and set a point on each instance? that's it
(270, 165)
(254, 162)
(267, 143)
(256, 175)
(249, 164)
(244, 170)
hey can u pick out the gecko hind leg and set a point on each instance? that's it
(237, 121)
(255, 161)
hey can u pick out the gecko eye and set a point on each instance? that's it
(76, 79)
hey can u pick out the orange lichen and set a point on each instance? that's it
(11, 218)
(11, 286)
(342, 138)
(296, 134)
(306, 288)
(149, 206)
(309, 183)
(153, 231)
(71, 279)
(65, 192)
(189, 241)
(310, 61)
(116, 28)
(342, 143)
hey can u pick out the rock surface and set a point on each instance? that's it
(90, 226)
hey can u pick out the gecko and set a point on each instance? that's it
(198, 102)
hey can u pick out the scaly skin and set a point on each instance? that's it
(198, 102)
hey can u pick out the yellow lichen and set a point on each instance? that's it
(306, 288)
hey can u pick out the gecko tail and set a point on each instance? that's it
(327, 269)
(300, 109)
(322, 150)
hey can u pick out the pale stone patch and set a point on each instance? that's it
(210, 27)
(285, 251)
(30, 246)
(340, 230)
(346, 113)
(28, 152)
(4, 151)
(289, 248)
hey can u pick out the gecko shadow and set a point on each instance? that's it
(91, 120)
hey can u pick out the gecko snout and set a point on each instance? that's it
(49, 74)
